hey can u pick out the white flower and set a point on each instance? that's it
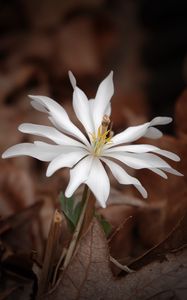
(85, 155)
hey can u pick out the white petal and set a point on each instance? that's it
(108, 110)
(168, 154)
(153, 133)
(172, 171)
(50, 133)
(123, 177)
(139, 161)
(59, 115)
(159, 172)
(91, 105)
(135, 132)
(72, 79)
(65, 159)
(102, 99)
(161, 121)
(82, 109)
(43, 151)
(143, 148)
(98, 182)
(38, 106)
(78, 175)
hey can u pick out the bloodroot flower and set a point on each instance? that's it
(87, 154)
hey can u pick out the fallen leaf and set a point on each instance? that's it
(176, 239)
(20, 231)
(16, 189)
(89, 276)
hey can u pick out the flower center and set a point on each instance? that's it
(102, 137)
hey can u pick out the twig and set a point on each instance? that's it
(118, 228)
(64, 251)
(122, 267)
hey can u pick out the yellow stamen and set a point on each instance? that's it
(103, 135)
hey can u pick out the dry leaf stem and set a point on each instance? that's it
(78, 228)
(51, 249)
(122, 267)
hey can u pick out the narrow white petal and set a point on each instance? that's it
(103, 96)
(137, 148)
(143, 148)
(65, 159)
(168, 154)
(48, 105)
(135, 132)
(50, 133)
(142, 190)
(98, 182)
(145, 160)
(78, 175)
(161, 121)
(82, 109)
(59, 115)
(43, 152)
(72, 79)
(159, 172)
(38, 107)
(130, 134)
(123, 177)
(172, 171)
(139, 161)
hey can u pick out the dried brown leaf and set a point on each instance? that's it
(22, 231)
(16, 189)
(176, 239)
(89, 276)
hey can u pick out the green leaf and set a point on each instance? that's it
(70, 210)
(104, 224)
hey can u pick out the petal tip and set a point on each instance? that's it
(72, 79)
(4, 155)
(170, 119)
(167, 120)
(48, 173)
(32, 97)
(20, 127)
(177, 158)
(67, 194)
(102, 204)
(7, 154)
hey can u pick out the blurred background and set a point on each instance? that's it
(145, 43)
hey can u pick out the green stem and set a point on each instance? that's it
(78, 228)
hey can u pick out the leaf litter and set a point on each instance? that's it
(28, 64)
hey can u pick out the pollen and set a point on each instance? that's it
(102, 137)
